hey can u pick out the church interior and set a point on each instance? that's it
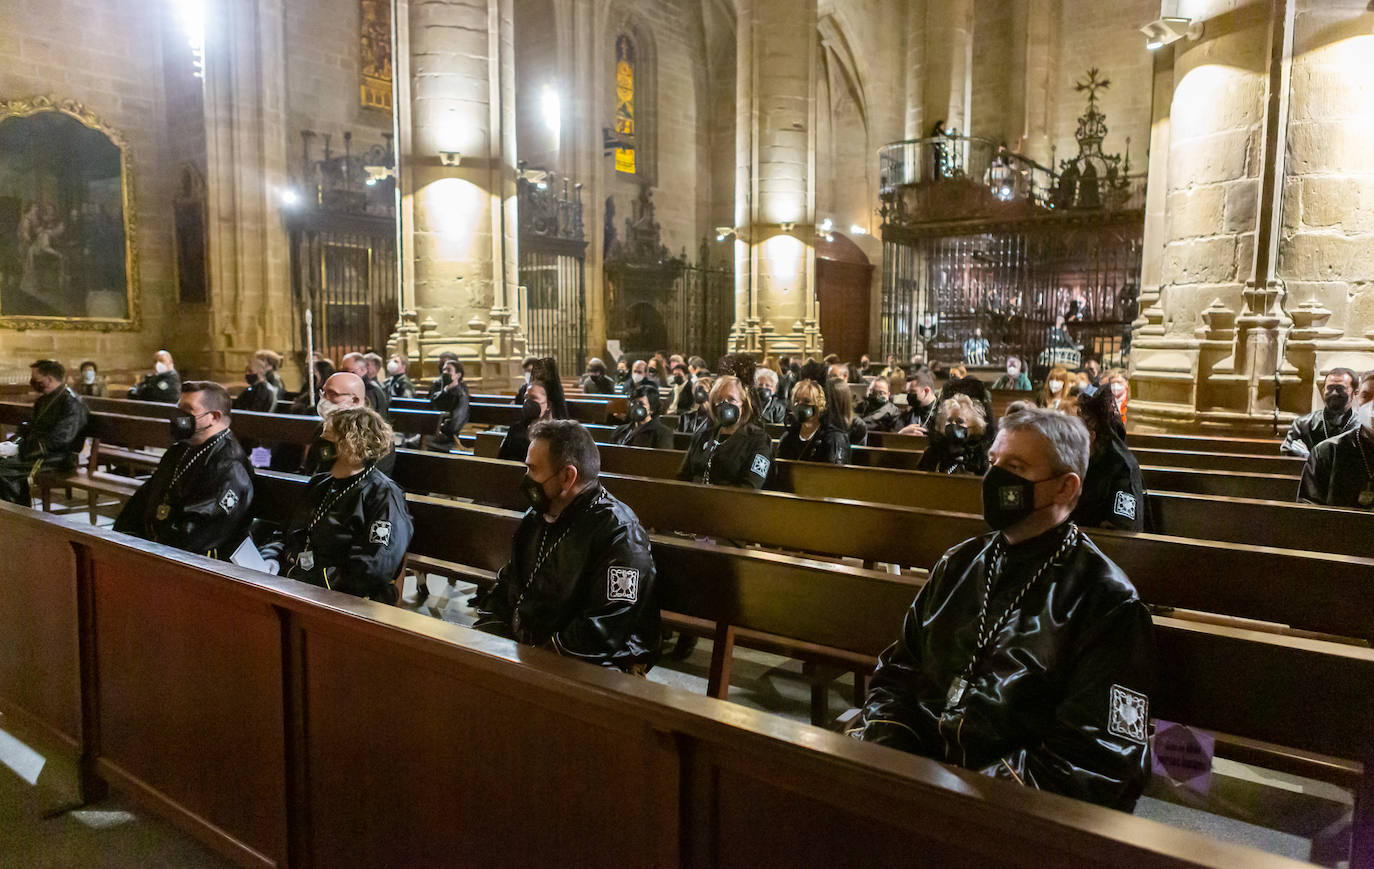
(630, 418)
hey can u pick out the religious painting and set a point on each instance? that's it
(625, 104)
(67, 255)
(188, 213)
(375, 42)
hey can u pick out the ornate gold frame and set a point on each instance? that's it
(37, 105)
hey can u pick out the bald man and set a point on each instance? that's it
(164, 384)
(342, 391)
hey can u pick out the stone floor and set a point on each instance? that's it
(1276, 813)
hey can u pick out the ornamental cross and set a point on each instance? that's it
(1092, 86)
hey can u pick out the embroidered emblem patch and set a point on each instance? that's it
(380, 533)
(228, 501)
(622, 583)
(162, 384)
(1129, 714)
(760, 466)
(1125, 505)
(1011, 497)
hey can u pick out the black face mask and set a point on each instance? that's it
(914, 400)
(805, 412)
(250, 378)
(36, 385)
(535, 494)
(766, 395)
(1337, 400)
(638, 412)
(727, 414)
(530, 410)
(446, 378)
(326, 452)
(183, 426)
(700, 395)
(1007, 498)
(678, 380)
(957, 433)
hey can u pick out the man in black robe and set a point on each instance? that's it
(1340, 471)
(201, 495)
(51, 438)
(1027, 655)
(1332, 418)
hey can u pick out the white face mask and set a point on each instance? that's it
(1055, 386)
(1365, 414)
(88, 376)
(1013, 371)
(325, 407)
(393, 368)
(1118, 389)
(528, 376)
(638, 378)
(162, 368)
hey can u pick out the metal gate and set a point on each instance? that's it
(552, 268)
(346, 276)
(343, 246)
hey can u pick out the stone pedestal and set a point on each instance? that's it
(776, 310)
(458, 227)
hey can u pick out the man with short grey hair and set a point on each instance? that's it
(1027, 655)
(580, 581)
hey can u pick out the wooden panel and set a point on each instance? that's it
(40, 665)
(190, 695)
(1235, 484)
(461, 769)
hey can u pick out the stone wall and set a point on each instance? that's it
(105, 54)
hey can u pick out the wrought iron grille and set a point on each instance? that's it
(343, 245)
(552, 267)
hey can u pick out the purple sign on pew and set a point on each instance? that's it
(261, 457)
(1184, 756)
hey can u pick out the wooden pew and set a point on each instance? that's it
(1305, 590)
(309, 725)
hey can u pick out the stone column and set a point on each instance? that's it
(245, 104)
(1264, 210)
(458, 223)
(775, 193)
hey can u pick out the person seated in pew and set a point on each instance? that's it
(439, 383)
(639, 375)
(450, 397)
(90, 383)
(1113, 493)
(543, 401)
(273, 375)
(774, 408)
(1027, 655)
(377, 399)
(261, 395)
(877, 410)
(1015, 379)
(1119, 386)
(921, 405)
(622, 373)
(1340, 471)
(51, 439)
(840, 408)
(527, 365)
(164, 384)
(351, 528)
(693, 409)
(1056, 387)
(730, 448)
(595, 381)
(1333, 418)
(397, 383)
(306, 400)
(201, 495)
(580, 580)
(644, 428)
(959, 439)
(812, 435)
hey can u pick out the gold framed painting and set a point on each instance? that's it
(68, 258)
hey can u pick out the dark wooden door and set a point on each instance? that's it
(843, 281)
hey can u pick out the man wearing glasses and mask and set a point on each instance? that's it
(580, 581)
(1027, 655)
(1334, 417)
(200, 496)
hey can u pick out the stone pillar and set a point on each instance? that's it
(458, 223)
(775, 192)
(246, 136)
(1264, 209)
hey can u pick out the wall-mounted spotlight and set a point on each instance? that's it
(289, 197)
(378, 174)
(787, 226)
(724, 232)
(857, 230)
(1167, 31)
(827, 226)
(450, 158)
